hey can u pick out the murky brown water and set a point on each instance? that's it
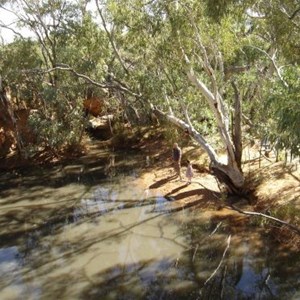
(93, 232)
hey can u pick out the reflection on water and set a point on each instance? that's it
(105, 236)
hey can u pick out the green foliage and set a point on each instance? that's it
(59, 124)
(283, 23)
(57, 95)
(148, 37)
(283, 106)
(286, 211)
(124, 136)
(275, 20)
(172, 134)
(18, 66)
(218, 9)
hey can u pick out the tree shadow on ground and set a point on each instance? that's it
(176, 189)
(203, 193)
(162, 182)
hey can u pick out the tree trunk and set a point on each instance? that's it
(228, 173)
(7, 119)
(237, 132)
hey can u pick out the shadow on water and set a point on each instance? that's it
(98, 239)
(88, 171)
(240, 276)
(42, 220)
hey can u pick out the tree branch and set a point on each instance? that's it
(251, 213)
(223, 256)
(272, 58)
(120, 86)
(196, 135)
(211, 74)
(219, 117)
(112, 42)
(11, 29)
(293, 15)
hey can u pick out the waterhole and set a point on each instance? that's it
(93, 231)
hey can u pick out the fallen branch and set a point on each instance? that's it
(251, 213)
(218, 267)
(195, 252)
(214, 231)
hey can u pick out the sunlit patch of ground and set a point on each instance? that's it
(276, 186)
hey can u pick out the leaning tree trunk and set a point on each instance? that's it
(228, 173)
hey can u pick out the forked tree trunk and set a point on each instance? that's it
(229, 172)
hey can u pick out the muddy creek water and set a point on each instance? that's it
(92, 231)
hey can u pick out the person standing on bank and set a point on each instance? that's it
(189, 172)
(177, 159)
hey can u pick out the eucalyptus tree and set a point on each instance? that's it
(281, 23)
(187, 61)
(63, 35)
(277, 23)
(191, 62)
(180, 57)
(283, 106)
